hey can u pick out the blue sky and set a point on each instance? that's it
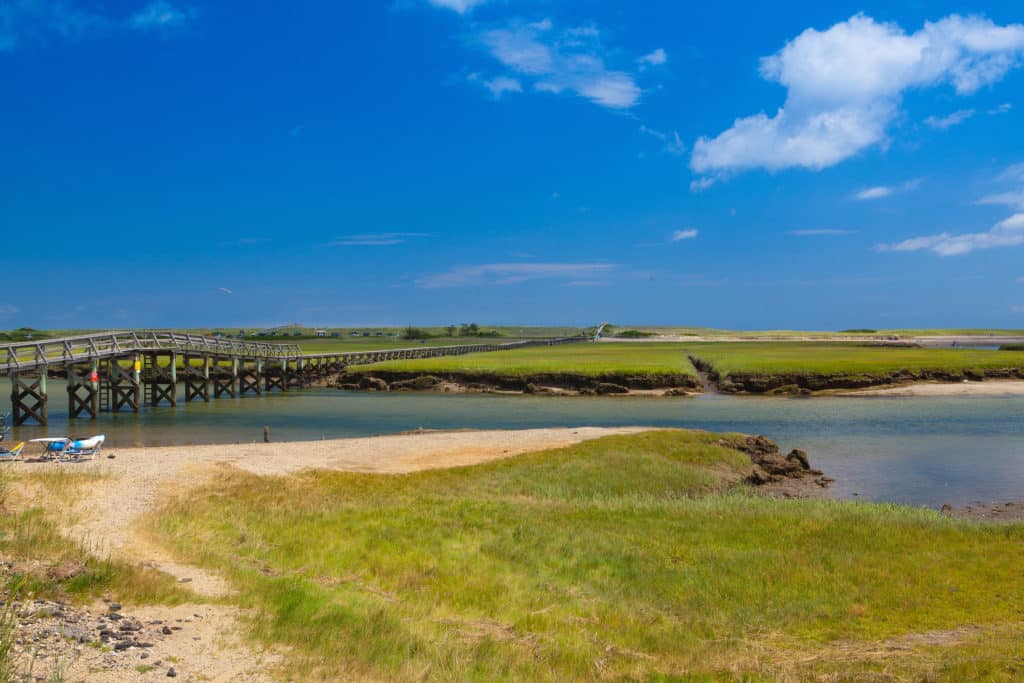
(772, 165)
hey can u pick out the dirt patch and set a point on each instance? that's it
(1011, 511)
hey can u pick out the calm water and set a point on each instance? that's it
(925, 451)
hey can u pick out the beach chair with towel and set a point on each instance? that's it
(82, 449)
(13, 453)
(53, 446)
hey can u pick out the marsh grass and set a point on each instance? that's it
(629, 556)
(767, 358)
(618, 358)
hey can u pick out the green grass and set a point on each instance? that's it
(581, 359)
(628, 557)
(794, 357)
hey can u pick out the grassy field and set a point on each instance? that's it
(770, 358)
(580, 359)
(627, 557)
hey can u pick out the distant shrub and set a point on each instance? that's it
(1012, 347)
(633, 334)
(859, 331)
(415, 333)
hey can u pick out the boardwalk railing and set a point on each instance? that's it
(114, 371)
(29, 356)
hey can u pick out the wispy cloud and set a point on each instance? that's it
(160, 15)
(882, 191)
(8, 309)
(514, 273)
(1001, 109)
(673, 143)
(680, 235)
(1005, 233)
(460, 6)
(41, 21)
(655, 58)
(380, 239)
(950, 120)
(845, 87)
(499, 85)
(225, 290)
(823, 232)
(245, 241)
(556, 61)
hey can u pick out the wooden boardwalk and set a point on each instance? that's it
(116, 371)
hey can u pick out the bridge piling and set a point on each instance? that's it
(83, 379)
(29, 399)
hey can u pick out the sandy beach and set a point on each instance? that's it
(994, 388)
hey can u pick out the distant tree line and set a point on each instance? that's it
(464, 330)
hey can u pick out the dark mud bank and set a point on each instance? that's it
(806, 383)
(609, 383)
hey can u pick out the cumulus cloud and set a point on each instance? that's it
(379, 239)
(460, 6)
(514, 273)
(158, 15)
(556, 61)
(845, 84)
(950, 120)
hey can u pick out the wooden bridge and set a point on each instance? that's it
(118, 371)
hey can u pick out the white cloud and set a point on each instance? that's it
(844, 88)
(460, 6)
(380, 239)
(503, 84)
(1001, 109)
(874, 192)
(820, 232)
(572, 60)
(882, 191)
(680, 235)
(1005, 233)
(950, 120)
(8, 309)
(513, 273)
(225, 290)
(655, 58)
(701, 184)
(160, 14)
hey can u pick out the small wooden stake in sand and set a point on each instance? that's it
(266, 433)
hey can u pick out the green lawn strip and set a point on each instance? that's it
(770, 358)
(628, 358)
(626, 556)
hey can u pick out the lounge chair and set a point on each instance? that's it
(13, 453)
(53, 447)
(85, 448)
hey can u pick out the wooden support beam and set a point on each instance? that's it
(162, 380)
(250, 378)
(29, 399)
(123, 385)
(83, 390)
(197, 379)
